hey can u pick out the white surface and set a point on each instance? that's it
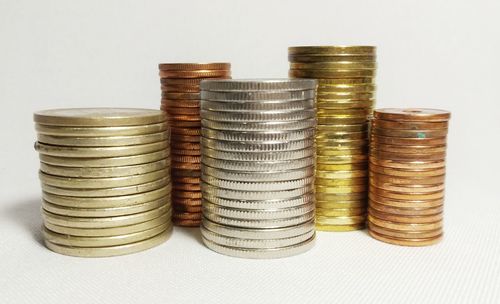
(441, 54)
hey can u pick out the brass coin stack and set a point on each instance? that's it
(407, 175)
(105, 180)
(180, 86)
(258, 166)
(345, 99)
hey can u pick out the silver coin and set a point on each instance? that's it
(265, 136)
(258, 214)
(259, 96)
(267, 176)
(257, 186)
(258, 166)
(255, 195)
(260, 126)
(261, 204)
(284, 115)
(256, 107)
(273, 253)
(262, 234)
(276, 146)
(229, 85)
(273, 223)
(259, 156)
(254, 243)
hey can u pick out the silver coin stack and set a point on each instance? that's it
(258, 166)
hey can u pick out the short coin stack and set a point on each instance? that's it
(180, 85)
(258, 166)
(345, 99)
(407, 174)
(105, 180)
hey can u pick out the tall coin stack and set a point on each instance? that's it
(105, 180)
(407, 175)
(258, 166)
(180, 85)
(345, 99)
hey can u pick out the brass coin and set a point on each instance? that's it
(331, 58)
(194, 66)
(341, 174)
(344, 73)
(332, 97)
(406, 203)
(341, 189)
(438, 156)
(340, 135)
(108, 141)
(339, 228)
(406, 242)
(412, 180)
(358, 204)
(339, 121)
(342, 128)
(99, 152)
(101, 131)
(345, 88)
(410, 219)
(337, 212)
(405, 226)
(409, 165)
(341, 65)
(404, 235)
(186, 223)
(407, 196)
(98, 117)
(406, 211)
(377, 139)
(412, 188)
(333, 50)
(344, 159)
(344, 104)
(113, 231)
(340, 144)
(416, 114)
(340, 181)
(340, 197)
(195, 74)
(409, 133)
(410, 149)
(406, 125)
(342, 151)
(340, 220)
(341, 81)
(343, 167)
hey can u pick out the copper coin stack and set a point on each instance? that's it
(407, 175)
(345, 99)
(180, 86)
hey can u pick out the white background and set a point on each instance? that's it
(442, 54)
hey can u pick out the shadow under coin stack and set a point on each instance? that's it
(345, 99)
(258, 167)
(105, 180)
(180, 85)
(407, 175)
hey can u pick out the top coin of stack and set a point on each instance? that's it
(345, 99)
(258, 166)
(105, 180)
(407, 175)
(180, 86)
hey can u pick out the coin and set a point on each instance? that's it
(257, 166)
(409, 133)
(438, 141)
(404, 235)
(410, 219)
(418, 211)
(187, 216)
(339, 228)
(358, 204)
(260, 204)
(257, 106)
(409, 202)
(284, 115)
(411, 180)
(330, 58)
(340, 73)
(320, 211)
(186, 223)
(101, 131)
(262, 126)
(103, 141)
(434, 166)
(258, 136)
(259, 156)
(412, 114)
(341, 65)
(244, 85)
(405, 226)
(333, 50)
(340, 220)
(340, 181)
(257, 214)
(194, 66)
(279, 96)
(438, 156)
(195, 74)
(99, 152)
(404, 125)
(406, 242)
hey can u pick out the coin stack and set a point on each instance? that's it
(258, 166)
(407, 174)
(345, 99)
(180, 85)
(105, 180)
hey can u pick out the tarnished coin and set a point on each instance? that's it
(333, 50)
(412, 114)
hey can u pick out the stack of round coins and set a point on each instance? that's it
(180, 86)
(407, 174)
(258, 166)
(345, 99)
(105, 180)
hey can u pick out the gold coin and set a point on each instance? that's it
(406, 242)
(341, 197)
(341, 189)
(333, 50)
(98, 152)
(345, 81)
(337, 212)
(105, 222)
(344, 104)
(344, 159)
(405, 125)
(329, 96)
(340, 220)
(405, 226)
(340, 181)
(105, 162)
(105, 212)
(405, 234)
(405, 211)
(194, 66)
(344, 88)
(341, 174)
(410, 149)
(330, 58)
(98, 117)
(112, 250)
(406, 203)
(417, 166)
(344, 73)
(409, 219)
(101, 131)
(91, 172)
(358, 204)
(337, 121)
(107, 141)
(102, 241)
(409, 133)
(340, 65)
(342, 167)
(107, 192)
(114, 231)
(195, 74)
(377, 139)
(342, 151)
(438, 156)
(411, 188)
(407, 196)
(416, 114)
(339, 228)
(397, 180)
(340, 135)
(107, 202)
(101, 183)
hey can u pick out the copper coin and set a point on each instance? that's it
(407, 196)
(181, 81)
(180, 88)
(186, 173)
(183, 111)
(405, 211)
(186, 202)
(186, 187)
(407, 188)
(180, 103)
(406, 242)
(405, 226)
(377, 139)
(186, 194)
(187, 215)
(175, 96)
(408, 164)
(188, 166)
(400, 125)
(412, 114)
(185, 146)
(410, 219)
(184, 208)
(421, 134)
(187, 118)
(186, 223)
(185, 124)
(404, 234)
(186, 138)
(186, 180)
(194, 66)
(440, 156)
(195, 74)
(409, 149)
(186, 159)
(412, 180)
(407, 173)
(186, 152)
(406, 203)
(185, 131)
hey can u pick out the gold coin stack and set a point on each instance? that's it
(345, 100)
(105, 176)
(407, 174)
(180, 86)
